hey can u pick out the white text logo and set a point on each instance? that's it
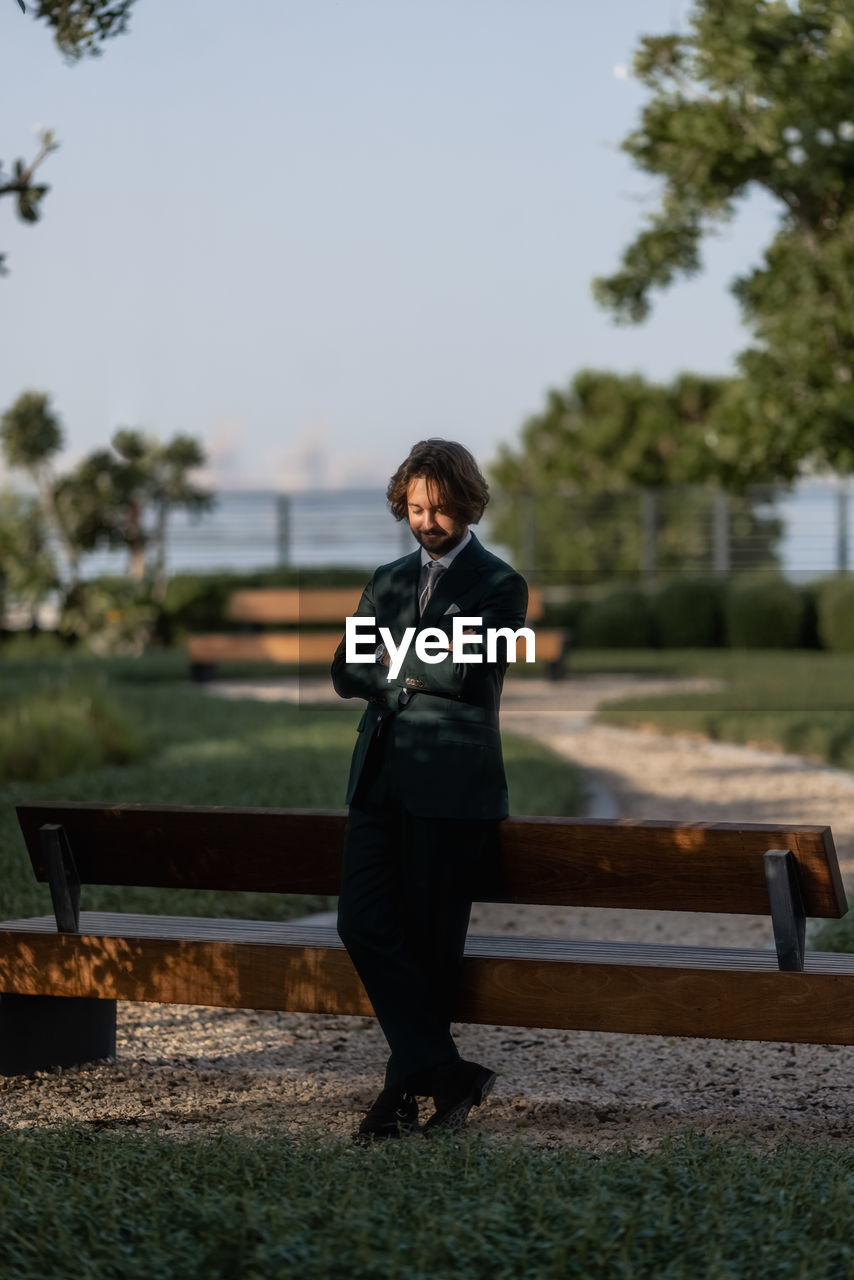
(431, 644)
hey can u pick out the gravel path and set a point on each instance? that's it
(190, 1070)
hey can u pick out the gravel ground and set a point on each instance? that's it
(189, 1070)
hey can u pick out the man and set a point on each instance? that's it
(427, 786)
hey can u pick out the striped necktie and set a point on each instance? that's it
(430, 575)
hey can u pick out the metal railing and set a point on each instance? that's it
(806, 531)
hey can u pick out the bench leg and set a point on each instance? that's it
(202, 672)
(40, 1032)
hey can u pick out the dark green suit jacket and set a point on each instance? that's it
(444, 746)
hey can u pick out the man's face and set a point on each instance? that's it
(436, 531)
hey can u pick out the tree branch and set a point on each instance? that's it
(24, 179)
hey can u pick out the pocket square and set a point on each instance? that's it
(452, 608)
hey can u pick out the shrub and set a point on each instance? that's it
(194, 602)
(620, 620)
(836, 614)
(764, 612)
(688, 613)
(566, 614)
(110, 615)
(57, 730)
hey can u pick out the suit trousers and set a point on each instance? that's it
(407, 886)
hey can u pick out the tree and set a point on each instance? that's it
(30, 438)
(575, 479)
(758, 93)
(121, 497)
(27, 568)
(125, 495)
(79, 27)
(21, 183)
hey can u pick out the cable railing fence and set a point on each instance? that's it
(805, 531)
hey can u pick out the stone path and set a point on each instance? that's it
(189, 1070)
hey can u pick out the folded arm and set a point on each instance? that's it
(466, 681)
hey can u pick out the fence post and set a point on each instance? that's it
(649, 532)
(283, 529)
(528, 532)
(842, 526)
(721, 551)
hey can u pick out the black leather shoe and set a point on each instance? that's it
(393, 1115)
(456, 1090)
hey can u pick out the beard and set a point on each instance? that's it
(438, 544)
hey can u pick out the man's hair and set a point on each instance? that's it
(460, 487)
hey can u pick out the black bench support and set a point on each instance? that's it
(41, 1032)
(787, 908)
(556, 670)
(62, 877)
(202, 672)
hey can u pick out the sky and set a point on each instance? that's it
(313, 232)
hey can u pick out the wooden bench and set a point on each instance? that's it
(60, 977)
(306, 608)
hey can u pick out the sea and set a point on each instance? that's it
(261, 529)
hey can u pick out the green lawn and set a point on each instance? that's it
(198, 749)
(110, 1207)
(800, 701)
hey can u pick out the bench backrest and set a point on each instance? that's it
(294, 605)
(715, 867)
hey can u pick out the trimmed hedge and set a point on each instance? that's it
(757, 612)
(621, 620)
(836, 614)
(764, 612)
(689, 613)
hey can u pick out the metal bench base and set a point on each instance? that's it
(41, 1032)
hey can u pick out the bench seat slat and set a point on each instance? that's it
(270, 646)
(507, 946)
(291, 604)
(317, 604)
(704, 992)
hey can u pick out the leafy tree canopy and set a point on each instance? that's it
(758, 94)
(568, 493)
(609, 431)
(121, 496)
(81, 26)
(30, 432)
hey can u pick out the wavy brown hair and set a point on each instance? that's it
(453, 472)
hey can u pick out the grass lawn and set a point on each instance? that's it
(800, 701)
(198, 749)
(122, 1206)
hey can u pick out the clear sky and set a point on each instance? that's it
(311, 232)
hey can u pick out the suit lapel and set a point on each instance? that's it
(397, 602)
